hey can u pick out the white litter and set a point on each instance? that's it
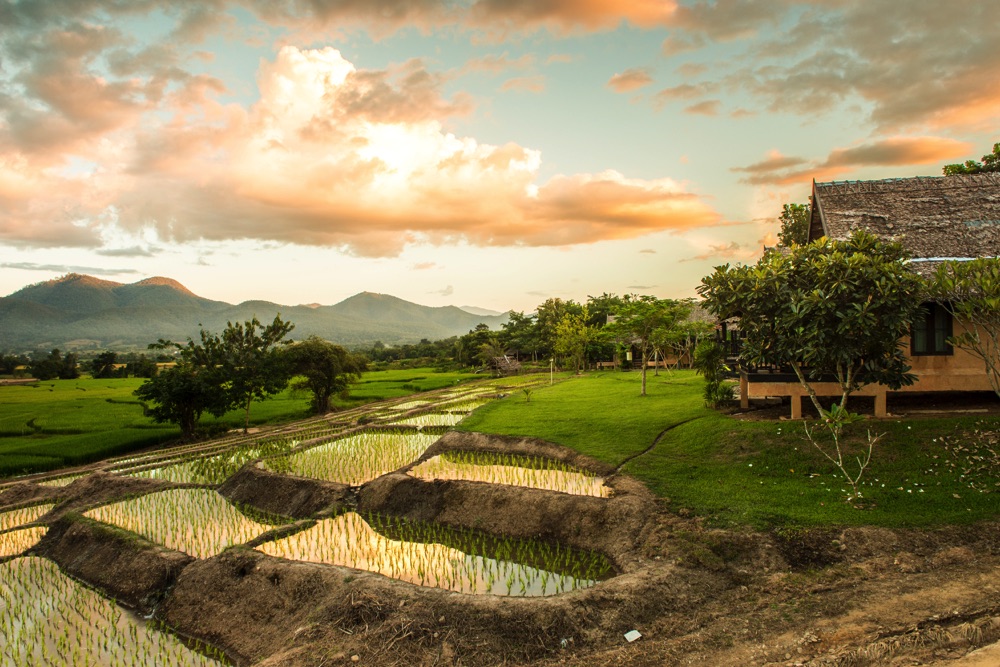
(632, 635)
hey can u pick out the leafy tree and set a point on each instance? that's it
(828, 308)
(794, 225)
(970, 291)
(251, 361)
(195, 384)
(710, 362)
(520, 333)
(103, 365)
(55, 365)
(991, 162)
(141, 367)
(547, 318)
(641, 320)
(327, 370)
(9, 363)
(573, 335)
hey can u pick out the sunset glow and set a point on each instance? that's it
(484, 153)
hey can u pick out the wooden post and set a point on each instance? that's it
(880, 402)
(796, 406)
(744, 391)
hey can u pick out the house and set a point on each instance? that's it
(936, 219)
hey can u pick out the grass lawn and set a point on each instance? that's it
(59, 423)
(763, 474)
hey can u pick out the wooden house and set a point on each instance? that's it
(937, 219)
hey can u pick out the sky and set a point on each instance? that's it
(492, 153)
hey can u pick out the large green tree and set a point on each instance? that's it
(194, 384)
(794, 220)
(642, 320)
(991, 162)
(323, 368)
(252, 363)
(826, 309)
(573, 335)
(970, 291)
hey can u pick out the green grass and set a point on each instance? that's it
(763, 474)
(59, 423)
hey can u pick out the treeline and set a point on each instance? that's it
(576, 335)
(56, 365)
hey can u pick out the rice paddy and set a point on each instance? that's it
(355, 459)
(409, 405)
(198, 522)
(19, 517)
(46, 618)
(431, 419)
(214, 469)
(16, 542)
(530, 471)
(61, 481)
(435, 556)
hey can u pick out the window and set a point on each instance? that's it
(930, 331)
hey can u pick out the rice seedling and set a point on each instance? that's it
(217, 468)
(62, 481)
(409, 405)
(436, 556)
(431, 419)
(22, 515)
(356, 459)
(198, 522)
(46, 618)
(15, 542)
(464, 406)
(534, 472)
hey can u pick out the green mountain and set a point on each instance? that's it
(77, 311)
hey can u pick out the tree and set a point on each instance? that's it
(103, 365)
(970, 291)
(327, 370)
(572, 338)
(55, 365)
(991, 162)
(794, 225)
(641, 320)
(251, 361)
(195, 384)
(828, 308)
(519, 333)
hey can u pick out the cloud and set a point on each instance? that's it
(563, 16)
(447, 291)
(358, 160)
(642, 287)
(647, 251)
(67, 268)
(134, 251)
(688, 70)
(631, 79)
(496, 64)
(778, 169)
(423, 266)
(729, 250)
(704, 108)
(525, 84)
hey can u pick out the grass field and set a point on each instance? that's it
(924, 472)
(59, 423)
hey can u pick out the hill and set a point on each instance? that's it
(113, 315)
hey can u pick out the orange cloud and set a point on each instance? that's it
(631, 79)
(778, 169)
(525, 84)
(315, 161)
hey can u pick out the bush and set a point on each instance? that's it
(710, 361)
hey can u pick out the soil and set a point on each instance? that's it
(698, 596)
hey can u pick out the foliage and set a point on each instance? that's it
(794, 225)
(251, 361)
(835, 420)
(710, 362)
(991, 162)
(103, 365)
(9, 363)
(573, 335)
(644, 320)
(325, 369)
(970, 291)
(827, 309)
(55, 365)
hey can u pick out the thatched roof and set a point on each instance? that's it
(935, 218)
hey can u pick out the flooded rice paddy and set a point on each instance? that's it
(19, 517)
(355, 459)
(46, 618)
(514, 470)
(199, 522)
(16, 542)
(433, 555)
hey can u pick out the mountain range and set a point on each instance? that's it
(82, 312)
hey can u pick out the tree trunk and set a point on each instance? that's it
(812, 392)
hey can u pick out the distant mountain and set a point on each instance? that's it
(79, 310)
(482, 311)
